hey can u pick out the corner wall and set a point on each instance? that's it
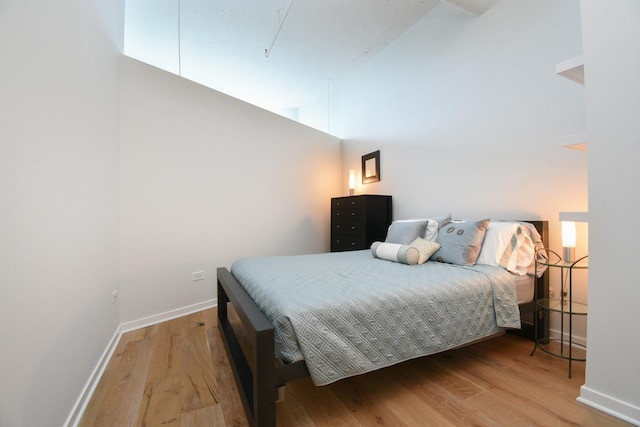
(612, 66)
(58, 201)
(206, 179)
(467, 112)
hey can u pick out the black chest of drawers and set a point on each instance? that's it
(358, 221)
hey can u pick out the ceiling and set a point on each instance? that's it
(278, 54)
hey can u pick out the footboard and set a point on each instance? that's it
(252, 356)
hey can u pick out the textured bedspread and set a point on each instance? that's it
(349, 313)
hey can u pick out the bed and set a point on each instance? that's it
(335, 315)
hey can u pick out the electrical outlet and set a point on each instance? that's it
(197, 275)
(114, 297)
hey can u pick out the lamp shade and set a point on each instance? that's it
(568, 234)
(352, 181)
(569, 220)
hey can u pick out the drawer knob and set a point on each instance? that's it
(353, 227)
(337, 226)
(353, 214)
(353, 243)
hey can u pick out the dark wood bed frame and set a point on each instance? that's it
(249, 340)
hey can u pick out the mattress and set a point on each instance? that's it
(349, 313)
(525, 286)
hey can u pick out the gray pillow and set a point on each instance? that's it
(405, 232)
(460, 241)
(442, 219)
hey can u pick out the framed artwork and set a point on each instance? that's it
(371, 167)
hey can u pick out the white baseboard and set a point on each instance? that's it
(87, 392)
(168, 315)
(610, 405)
(554, 333)
(85, 396)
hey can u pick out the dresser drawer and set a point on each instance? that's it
(347, 202)
(342, 242)
(348, 226)
(349, 213)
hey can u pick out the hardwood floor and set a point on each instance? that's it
(177, 374)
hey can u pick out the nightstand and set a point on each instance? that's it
(562, 347)
(358, 221)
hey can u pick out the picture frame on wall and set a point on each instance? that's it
(371, 167)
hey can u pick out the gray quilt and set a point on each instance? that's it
(348, 313)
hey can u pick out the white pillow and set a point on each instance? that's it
(507, 245)
(426, 248)
(538, 249)
(395, 252)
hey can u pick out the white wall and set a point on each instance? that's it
(612, 66)
(169, 35)
(58, 201)
(466, 112)
(206, 179)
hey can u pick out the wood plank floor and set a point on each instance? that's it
(177, 374)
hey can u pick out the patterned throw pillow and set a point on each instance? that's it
(426, 248)
(460, 241)
(395, 252)
(507, 244)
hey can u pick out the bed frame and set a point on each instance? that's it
(249, 340)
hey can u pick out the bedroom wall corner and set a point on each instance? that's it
(611, 40)
(207, 179)
(468, 118)
(58, 198)
(472, 125)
